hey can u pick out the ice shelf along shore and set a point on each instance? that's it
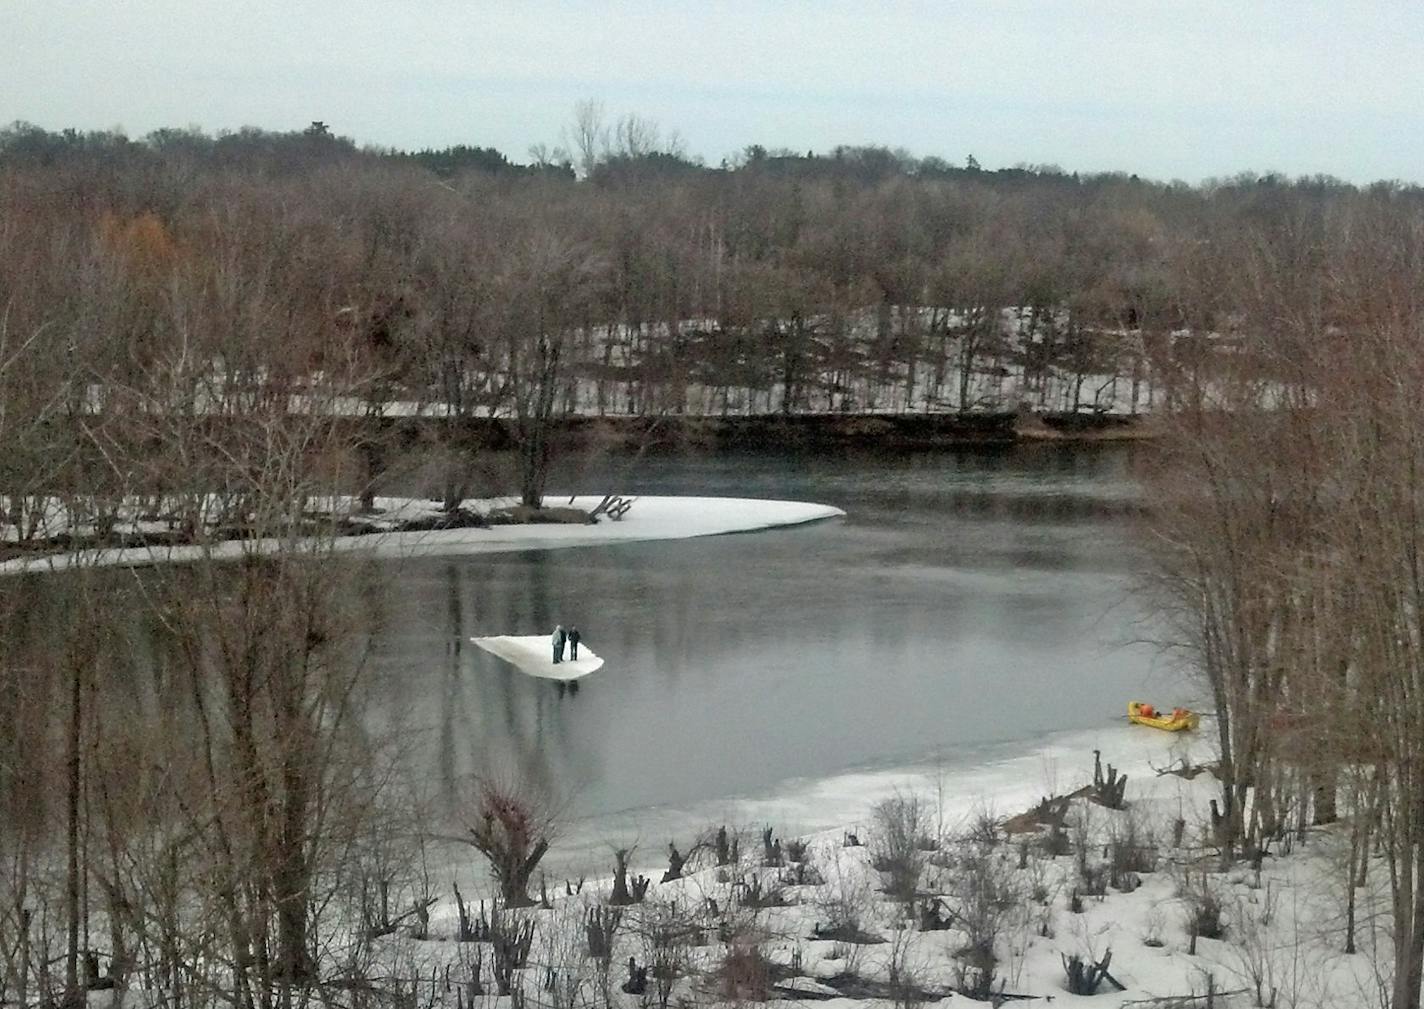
(650, 518)
(534, 654)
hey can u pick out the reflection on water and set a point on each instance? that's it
(968, 598)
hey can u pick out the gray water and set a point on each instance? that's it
(968, 600)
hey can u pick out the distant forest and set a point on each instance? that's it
(614, 275)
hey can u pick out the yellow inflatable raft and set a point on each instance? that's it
(1175, 721)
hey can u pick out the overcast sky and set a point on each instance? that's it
(1182, 89)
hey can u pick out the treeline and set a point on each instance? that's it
(1287, 526)
(611, 276)
(248, 149)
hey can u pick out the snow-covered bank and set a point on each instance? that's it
(533, 654)
(650, 518)
(1004, 778)
(1281, 929)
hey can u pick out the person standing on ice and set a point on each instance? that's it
(573, 644)
(559, 638)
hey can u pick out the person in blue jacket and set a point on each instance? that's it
(573, 643)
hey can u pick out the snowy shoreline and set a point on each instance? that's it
(650, 518)
(1281, 925)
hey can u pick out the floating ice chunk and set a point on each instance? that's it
(534, 654)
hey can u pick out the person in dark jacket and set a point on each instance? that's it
(558, 640)
(573, 643)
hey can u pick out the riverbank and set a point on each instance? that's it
(405, 527)
(902, 431)
(1085, 428)
(999, 903)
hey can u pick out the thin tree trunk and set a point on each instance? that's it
(72, 993)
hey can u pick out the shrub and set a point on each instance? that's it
(1253, 949)
(753, 895)
(802, 873)
(984, 829)
(667, 931)
(900, 823)
(985, 893)
(744, 973)
(1202, 909)
(1040, 889)
(1092, 877)
(1131, 852)
(902, 972)
(844, 902)
(510, 940)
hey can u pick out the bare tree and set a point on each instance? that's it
(589, 137)
(544, 292)
(512, 827)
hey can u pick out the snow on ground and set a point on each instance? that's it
(534, 654)
(650, 518)
(1282, 926)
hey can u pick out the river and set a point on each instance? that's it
(970, 604)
